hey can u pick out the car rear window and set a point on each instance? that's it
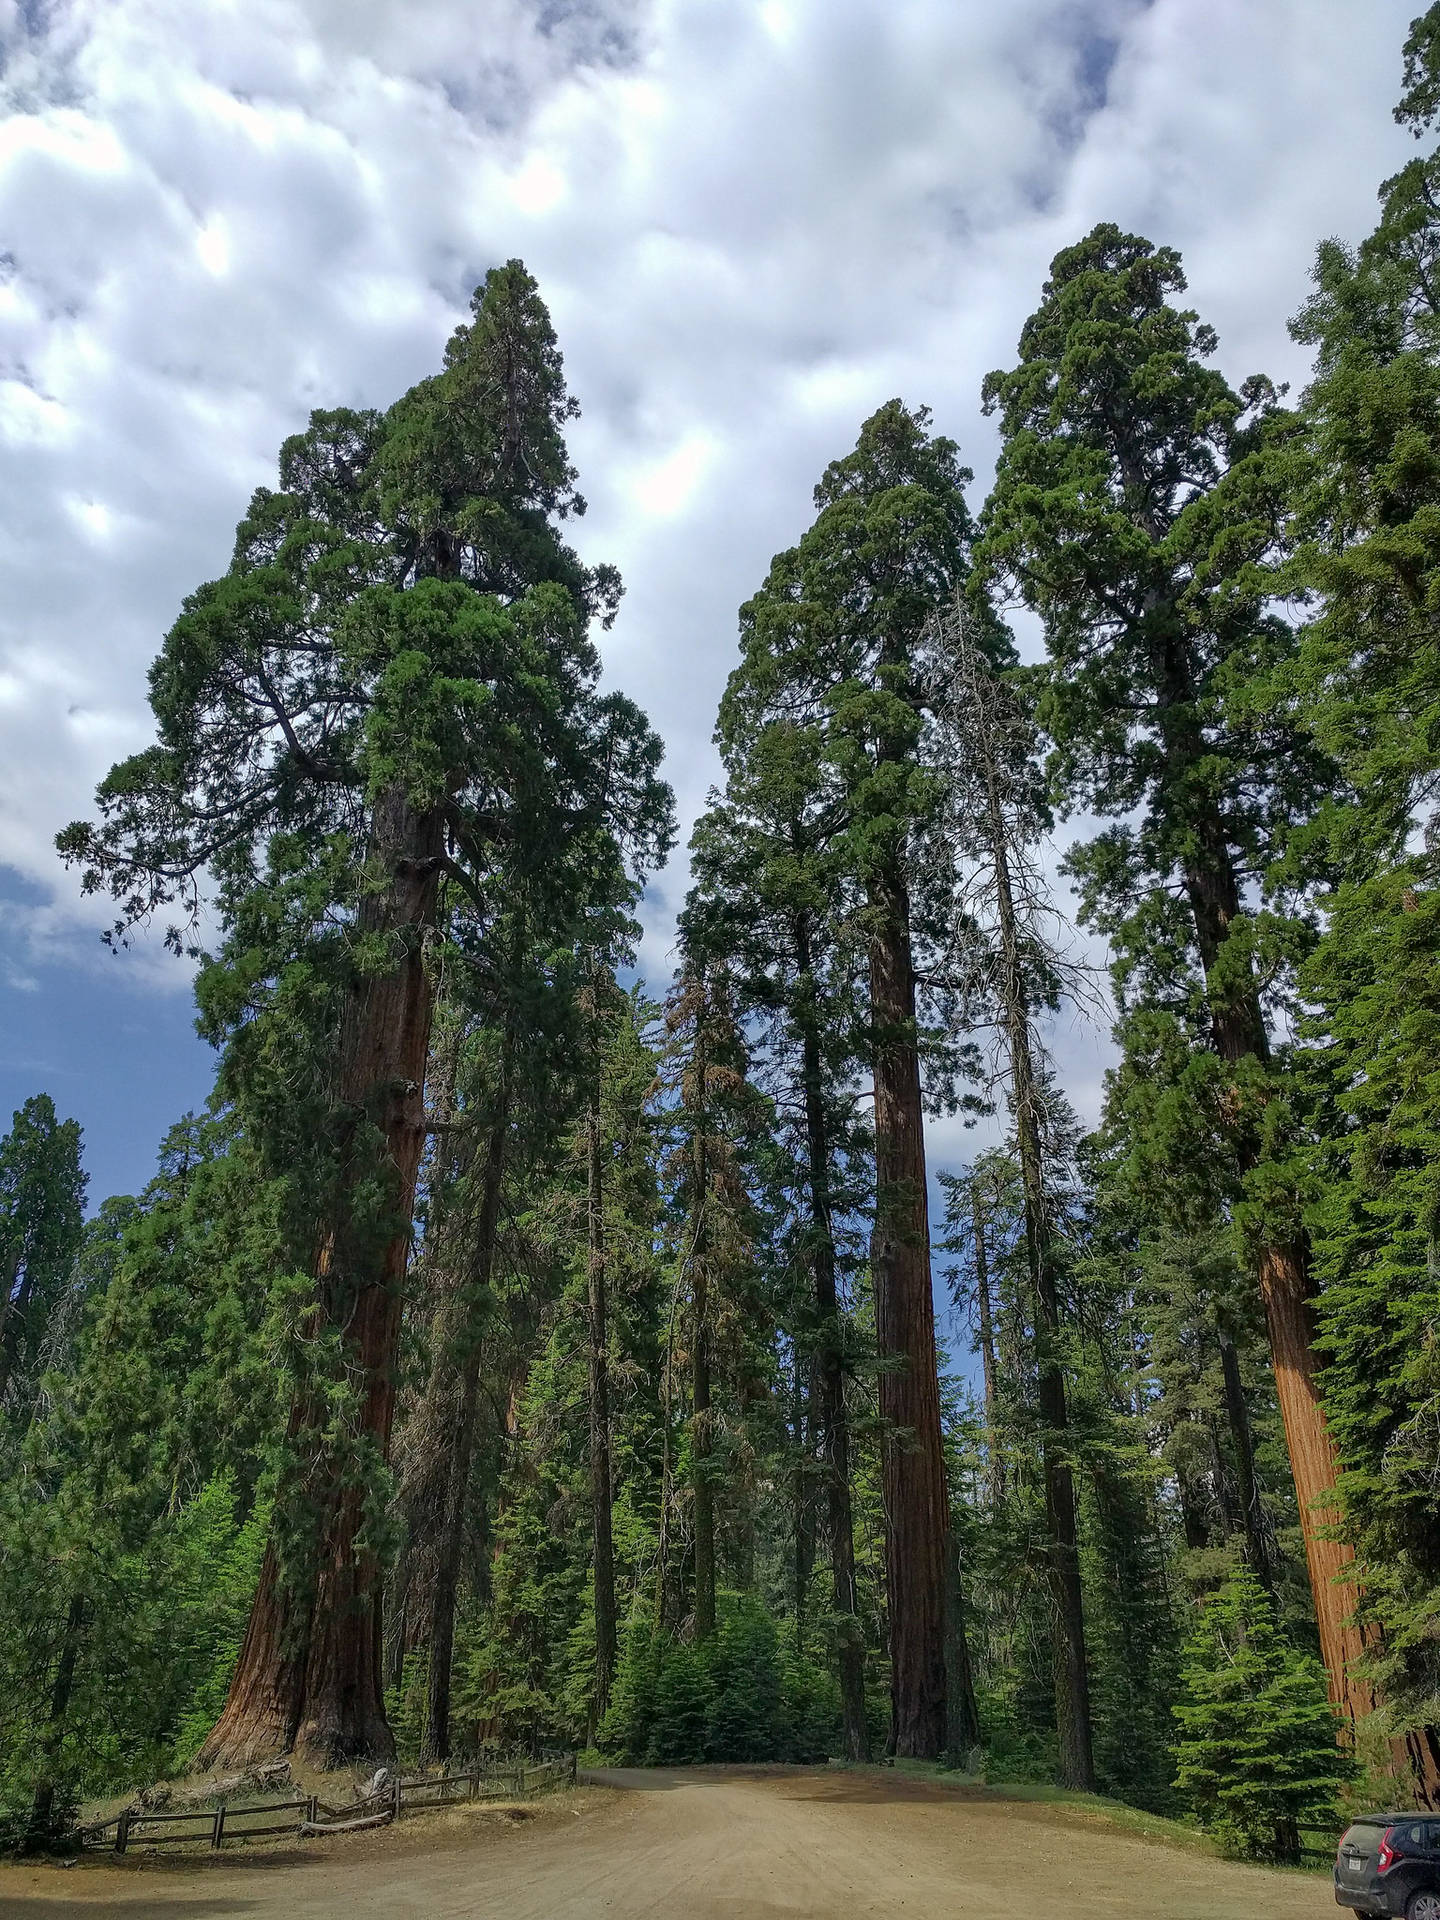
(1364, 1836)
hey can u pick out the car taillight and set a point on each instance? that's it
(1388, 1855)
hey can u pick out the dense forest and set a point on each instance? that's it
(514, 1354)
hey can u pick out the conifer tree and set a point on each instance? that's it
(768, 867)
(718, 1229)
(834, 645)
(1109, 519)
(995, 815)
(1363, 472)
(389, 693)
(42, 1194)
(1256, 1756)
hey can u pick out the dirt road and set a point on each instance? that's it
(700, 1844)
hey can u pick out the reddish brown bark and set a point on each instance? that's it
(830, 1379)
(309, 1674)
(1238, 1033)
(917, 1504)
(1284, 1288)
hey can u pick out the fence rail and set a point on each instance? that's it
(311, 1815)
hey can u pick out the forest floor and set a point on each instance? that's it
(717, 1843)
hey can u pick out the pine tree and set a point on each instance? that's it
(1257, 1756)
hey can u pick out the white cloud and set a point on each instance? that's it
(754, 221)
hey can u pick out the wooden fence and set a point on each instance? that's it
(214, 1826)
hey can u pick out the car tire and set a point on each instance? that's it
(1423, 1905)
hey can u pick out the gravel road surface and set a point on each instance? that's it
(697, 1844)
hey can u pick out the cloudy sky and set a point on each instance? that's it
(753, 220)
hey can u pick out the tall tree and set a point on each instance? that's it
(1364, 685)
(1109, 520)
(834, 643)
(768, 876)
(717, 1115)
(996, 815)
(42, 1196)
(389, 693)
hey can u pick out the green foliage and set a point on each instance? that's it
(42, 1194)
(148, 1624)
(743, 1695)
(1257, 1755)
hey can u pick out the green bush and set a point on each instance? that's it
(1258, 1757)
(741, 1696)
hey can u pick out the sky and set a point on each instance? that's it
(754, 221)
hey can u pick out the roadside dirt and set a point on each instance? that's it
(697, 1844)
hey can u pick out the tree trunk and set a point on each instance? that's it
(917, 1504)
(962, 1728)
(700, 1432)
(1284, 1289)
(995, 1460)
(830, 1367)
(600, 1476)
(700, 1451)
(309, 1675)
(1238, 1033)
(1237, 1415)
(450, 1551)
(1072, 1675)
(41, 1831)
(801, 1440)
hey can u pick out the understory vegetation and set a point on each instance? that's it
(516, 1353)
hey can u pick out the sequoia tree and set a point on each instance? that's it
(1109, 520)
(1364, 683)
(833, 644)
(769, 897)
(389, 694)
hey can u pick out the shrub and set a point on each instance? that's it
(1258, 1756)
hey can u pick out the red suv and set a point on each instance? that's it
(1389, 1863)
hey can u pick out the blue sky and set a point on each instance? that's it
(754, 220)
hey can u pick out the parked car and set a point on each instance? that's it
(1389, 1863)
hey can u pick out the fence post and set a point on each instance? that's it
(520, 1780)
(574, 1763)
(312, 1810)
(395, 1798)
(122, 1830)
(215, 1837)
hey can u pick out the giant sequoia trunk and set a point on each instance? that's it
(309, 1674)
(917, 1504)
(830, 1369)
(1238, 1032)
